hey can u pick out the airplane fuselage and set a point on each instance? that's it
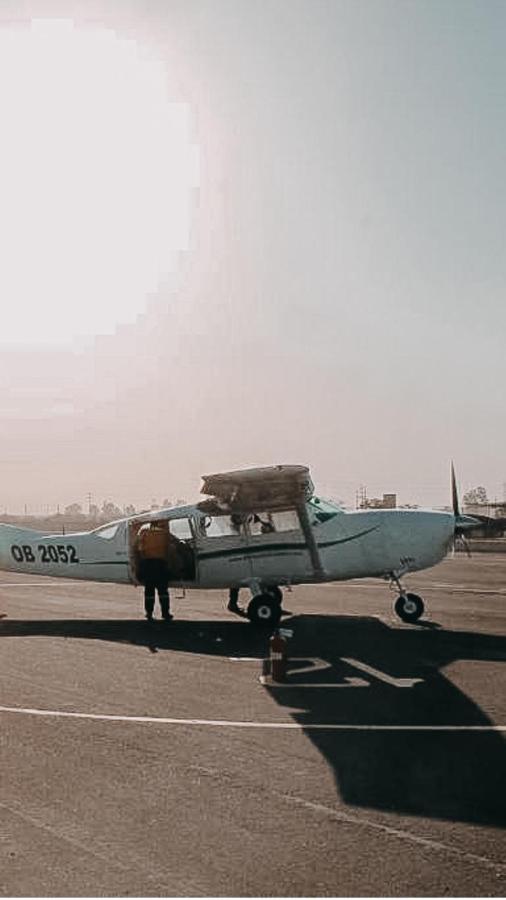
(350, 545)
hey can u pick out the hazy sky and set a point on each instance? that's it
(338, 297)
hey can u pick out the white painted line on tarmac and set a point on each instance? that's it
(11, 584)
(463, 589)
(315, 664)
(382, 676)
(401, 833)
(434, 586)
(255, 659)
(229, 723)
(351, 682)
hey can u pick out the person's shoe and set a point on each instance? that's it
(167, 617)
(233, 608)
(149, 617)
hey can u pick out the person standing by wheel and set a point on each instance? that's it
(152, 546)
(233, 601)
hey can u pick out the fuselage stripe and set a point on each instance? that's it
(249, 550)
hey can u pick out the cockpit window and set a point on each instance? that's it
(273, 522)
(323, 510)
(222, 526)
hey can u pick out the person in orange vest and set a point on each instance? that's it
(154, 549)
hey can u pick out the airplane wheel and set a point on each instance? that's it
(409, 607)
(264, 610)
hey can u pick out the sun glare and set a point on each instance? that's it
(96, 172)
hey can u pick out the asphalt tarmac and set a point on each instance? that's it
(150, 760)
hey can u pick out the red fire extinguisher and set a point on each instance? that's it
(277, 653)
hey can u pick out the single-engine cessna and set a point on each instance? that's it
(259, 529)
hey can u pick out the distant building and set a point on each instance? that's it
(389, 501)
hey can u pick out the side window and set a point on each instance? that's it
(108, 533)
(286, 521)
(222, 526)
(273, 522)
(181, 529)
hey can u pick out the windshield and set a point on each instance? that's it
(323, 510)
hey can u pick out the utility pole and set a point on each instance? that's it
(88, 495)
(361, 497)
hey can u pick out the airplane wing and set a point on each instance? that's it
(269, 487)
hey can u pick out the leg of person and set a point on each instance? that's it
(149, 600)
(233, 599)
(164, 598)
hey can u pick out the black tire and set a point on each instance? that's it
(265, 611)
(276, 592)
(409, 607)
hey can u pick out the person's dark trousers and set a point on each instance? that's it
(163, 597)
(161, 579)
(153, 574)
(149, 600)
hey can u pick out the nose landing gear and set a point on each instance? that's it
(409, 607)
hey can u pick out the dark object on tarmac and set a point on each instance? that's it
(277, 653)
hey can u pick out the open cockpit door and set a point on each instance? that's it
(222, 548)
(266, 492)
(174, 537)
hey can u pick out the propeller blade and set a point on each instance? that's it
(455, 496)
(462, 523)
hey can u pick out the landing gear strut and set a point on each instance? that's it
(409, 607)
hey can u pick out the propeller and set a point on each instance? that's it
(455, 494)
(462, 523)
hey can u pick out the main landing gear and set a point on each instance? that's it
(409, 607)
(264, 608)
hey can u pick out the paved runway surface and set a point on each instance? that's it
(181, 774)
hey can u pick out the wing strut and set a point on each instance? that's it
(312, 546)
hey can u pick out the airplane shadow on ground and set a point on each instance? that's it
(449, 775)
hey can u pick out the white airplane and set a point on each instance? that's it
(259, 529)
